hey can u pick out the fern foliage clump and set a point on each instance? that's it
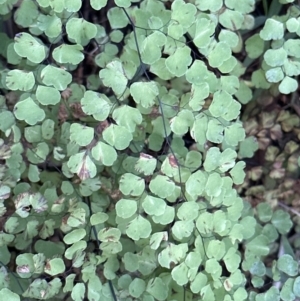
(123, 149)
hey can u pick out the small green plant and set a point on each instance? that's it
(122, 150)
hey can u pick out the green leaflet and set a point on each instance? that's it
(27, 46)
(80, 31)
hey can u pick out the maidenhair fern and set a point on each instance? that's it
(121, 150)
